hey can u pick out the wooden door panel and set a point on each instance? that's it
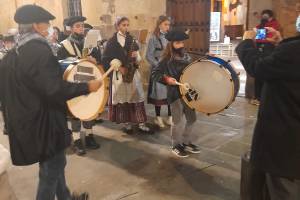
(193, 15)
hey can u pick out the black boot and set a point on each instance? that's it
(91, 142)
(79, 148)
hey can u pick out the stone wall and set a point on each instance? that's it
(8, 8)
(142, 13)
(6, 15)
(285, 11)
(286, 14)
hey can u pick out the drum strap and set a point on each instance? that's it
(72, 49)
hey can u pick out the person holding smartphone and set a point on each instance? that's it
(264, 42)
(276, 141)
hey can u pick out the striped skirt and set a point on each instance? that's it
(126, 103)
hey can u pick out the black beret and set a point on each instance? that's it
(88, 26)
(176, 35)
(29, 14)
(72, 20)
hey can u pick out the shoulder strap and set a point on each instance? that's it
(72, 49)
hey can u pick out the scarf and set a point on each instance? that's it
(23, 39)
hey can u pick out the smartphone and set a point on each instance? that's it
(261, 34)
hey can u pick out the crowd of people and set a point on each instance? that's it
(33, 95)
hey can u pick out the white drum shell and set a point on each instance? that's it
(87, 107)
(213, 83)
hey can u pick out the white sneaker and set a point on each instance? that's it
(169, 121)
(159, 121)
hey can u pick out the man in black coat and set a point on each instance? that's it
(276, 140)
(34, 103)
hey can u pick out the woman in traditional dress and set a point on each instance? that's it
(126, 104)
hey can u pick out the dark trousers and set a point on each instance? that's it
(77, 125)
(52, 179)
(282, 188)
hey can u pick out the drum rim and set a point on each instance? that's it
(184, 99)
(105, 84)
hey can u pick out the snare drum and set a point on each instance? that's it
(215, 81)
(87, 107)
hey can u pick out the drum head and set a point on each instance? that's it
(213, 85)
(86, 107)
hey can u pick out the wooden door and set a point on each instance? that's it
(193, 15)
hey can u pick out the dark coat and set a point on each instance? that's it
(276, 140)
(114, 50)
(33, 96)
(172, 68)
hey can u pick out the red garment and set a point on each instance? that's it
(274, 24)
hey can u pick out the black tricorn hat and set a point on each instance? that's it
(72, 20)
(29, 14)
(176, 35)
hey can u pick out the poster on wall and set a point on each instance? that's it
(215, 26)
(236, 11)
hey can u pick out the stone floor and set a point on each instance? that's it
(141, 167)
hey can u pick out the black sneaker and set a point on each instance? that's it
(91, 143)
(83, 196)
(179, 151)
(78, 147)
(191, 148)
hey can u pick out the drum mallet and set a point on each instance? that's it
(186, 86)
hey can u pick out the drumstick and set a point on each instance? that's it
(115, 64)
(186, 86)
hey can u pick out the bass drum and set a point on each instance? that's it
(215, 81)
(87, 107)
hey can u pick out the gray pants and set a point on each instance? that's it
(178, 110)
(282, 188)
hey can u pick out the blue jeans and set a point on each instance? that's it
(52, 179)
